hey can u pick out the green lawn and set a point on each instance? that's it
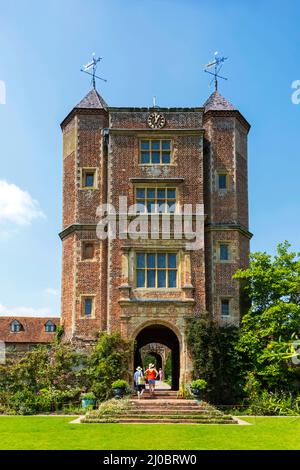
(35, 432)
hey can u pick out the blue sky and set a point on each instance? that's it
(154, 47)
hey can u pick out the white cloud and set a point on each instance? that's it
(17, 207)
(25, 312)
(51, 291)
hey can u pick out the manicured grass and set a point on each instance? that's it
(35, 432)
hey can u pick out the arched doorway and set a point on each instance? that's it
(153, 357)
(158, 333)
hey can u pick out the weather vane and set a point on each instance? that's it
(91, 69)
(217, 64)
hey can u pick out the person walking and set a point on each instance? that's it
(151, 374)
(139, 381)
(160, 373)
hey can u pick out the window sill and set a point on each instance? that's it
(87, 188)
(157, 164)
(157, 289)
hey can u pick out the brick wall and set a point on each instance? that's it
(227, 211)
(202, 147)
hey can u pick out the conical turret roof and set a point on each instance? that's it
(93, 100)
(217, 102)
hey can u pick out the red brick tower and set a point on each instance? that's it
(147, 288)
(84, 188)
(226, 205)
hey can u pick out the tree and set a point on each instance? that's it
(271, 327)
(215, 359)
(109, 361)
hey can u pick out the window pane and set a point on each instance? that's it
(151, 261)
(151, 206)
(224, 252)
(155, 157)
(172, 260)
(171, 206)
(166, 157)
(225, 308)
(89, 180)
(171, 194)
(50, 327)
(161, 193)
(140, 260)
(222, 182)
(141, 208)
(88, 251)
(155, 144)
(140, 193)
(88, 306)
(172, 278)
(140, 278)
(151, 278)
(151, 193)
(145, 144)
(161, 260)
(15, 326)
(161, 278)
(145, 157)
(166, 144)
(161, 205)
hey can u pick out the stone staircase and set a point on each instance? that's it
(165, 408)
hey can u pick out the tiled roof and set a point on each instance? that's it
(92, 101)
(33, 329)
(217, 102)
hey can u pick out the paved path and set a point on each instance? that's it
(160, 385)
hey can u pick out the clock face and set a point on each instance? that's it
(156, 120)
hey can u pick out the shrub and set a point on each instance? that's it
(53, 400)
(216, 360)
(274, 404)
(47, 379)
(109, 361)
(23, 402)
(199, 384)
(88, 396)
(113, 406)
(120, 384)
(5, 410)
(107, 411)
(184, 391)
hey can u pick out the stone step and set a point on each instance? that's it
(153, 401)
(163, 406)
(158, 397)
(166, 407)
(156, 411)
(176, 421)
(163, 421)
(162, 411)
(172, 416)
(158, 417)
(163, 392)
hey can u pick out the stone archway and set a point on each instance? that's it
(159, 351)
(156, 356)
(159, 333)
